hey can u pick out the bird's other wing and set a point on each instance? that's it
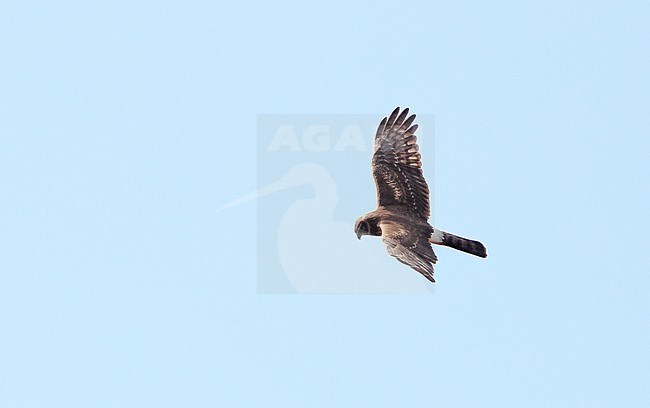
(396, 165)
(410, 245)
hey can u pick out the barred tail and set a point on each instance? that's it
(459, 243)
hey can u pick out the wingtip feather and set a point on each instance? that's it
(382, 126)
(400, 119)
(393, 116)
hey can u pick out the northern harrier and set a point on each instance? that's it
(403, 200)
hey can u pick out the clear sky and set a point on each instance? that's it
(125, 126)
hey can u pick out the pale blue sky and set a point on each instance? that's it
(125, 125)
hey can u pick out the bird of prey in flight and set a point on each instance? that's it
(401, 217)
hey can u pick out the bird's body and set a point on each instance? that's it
(401, 217)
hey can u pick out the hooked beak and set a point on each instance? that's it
(359, 235)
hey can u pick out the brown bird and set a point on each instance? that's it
(401, 217)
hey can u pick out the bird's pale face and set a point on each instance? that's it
(361, 227)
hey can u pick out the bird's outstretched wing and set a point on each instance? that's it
(410, 245)
(396, 165)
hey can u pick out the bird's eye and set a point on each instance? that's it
(364, 226)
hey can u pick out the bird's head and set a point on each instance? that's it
(362, 227)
